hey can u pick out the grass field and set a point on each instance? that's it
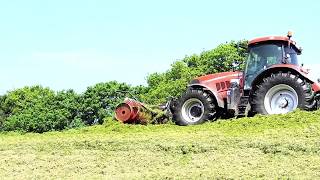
(281, 146)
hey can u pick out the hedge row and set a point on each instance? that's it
(39, 109)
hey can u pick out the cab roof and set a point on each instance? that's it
(267, 39)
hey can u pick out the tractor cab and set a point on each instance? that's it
(263, 53)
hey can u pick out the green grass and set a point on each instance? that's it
(281, 146)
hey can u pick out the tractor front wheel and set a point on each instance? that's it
(194, 107)
(282, 93)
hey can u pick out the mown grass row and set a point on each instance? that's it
(280, 146)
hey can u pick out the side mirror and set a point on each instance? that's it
(318, 80)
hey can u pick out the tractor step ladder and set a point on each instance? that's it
(243, 106)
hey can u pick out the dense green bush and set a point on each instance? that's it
(100, 100)
(174, 81)
(38, 109)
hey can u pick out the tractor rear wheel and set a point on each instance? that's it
(282, 93)
(194, 107)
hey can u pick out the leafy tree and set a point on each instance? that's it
(100, 100)
(69, 101)
(2, 113)
(38, 109)
(174, 81)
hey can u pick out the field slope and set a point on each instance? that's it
(281, 146)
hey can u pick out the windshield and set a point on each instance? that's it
(259, 58)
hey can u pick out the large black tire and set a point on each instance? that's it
(281, 93)
(194, 107)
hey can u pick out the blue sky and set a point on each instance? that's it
(74, 44)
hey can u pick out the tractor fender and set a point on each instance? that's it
(286, 68)
(217, 96)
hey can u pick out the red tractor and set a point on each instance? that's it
(272, 83)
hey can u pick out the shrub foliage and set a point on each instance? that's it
(38, 109)
(174, 81)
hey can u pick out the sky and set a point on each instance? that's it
(73, 44)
